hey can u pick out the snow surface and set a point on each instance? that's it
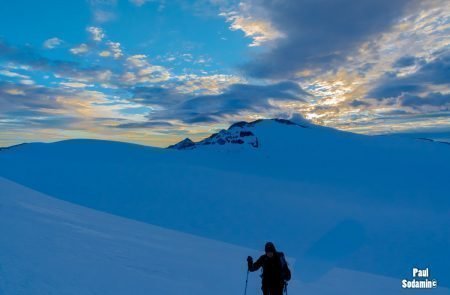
(49, 246)
(342, 205)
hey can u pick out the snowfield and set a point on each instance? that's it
(51, 247)
(354, 213)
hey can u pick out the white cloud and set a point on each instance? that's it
(100, 76)
(74, 84)
(97, 33)
(129, 77)
(148, 74)
(207, 84)
(259, 29)
(141, 71)
(137, 60)
(104, 75)
(52, 43)
(187, 57)
(114, 48)
(12, 74)
(81, 49)
(15, 91)
(27, 82)
(105, 53)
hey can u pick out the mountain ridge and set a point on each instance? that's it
(231, 136)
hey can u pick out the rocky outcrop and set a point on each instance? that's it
(239, 133)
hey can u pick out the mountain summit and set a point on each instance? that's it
(240, 133)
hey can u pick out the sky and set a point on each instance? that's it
(156, 71)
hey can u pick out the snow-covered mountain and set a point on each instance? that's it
(377, 205)
(239, 133)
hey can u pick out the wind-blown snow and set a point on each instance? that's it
(373, 205)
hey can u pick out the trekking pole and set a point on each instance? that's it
(246, 282)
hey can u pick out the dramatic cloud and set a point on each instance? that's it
(14, 97)
(147, 124)
(259, 29)
(370, 66)
(320, 34)
(433, 99)
(157, 96)
(432, 74)
(399, 60)
(29, 58)
(69, 106)
(236, 99)
(206, 84)
(406, 61)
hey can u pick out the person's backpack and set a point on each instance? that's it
(285, 271)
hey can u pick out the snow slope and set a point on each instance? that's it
(53, 247)
(375, 205)
(49, 246)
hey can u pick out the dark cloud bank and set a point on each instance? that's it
(320, 34)
(415, 90)
(212, 108)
